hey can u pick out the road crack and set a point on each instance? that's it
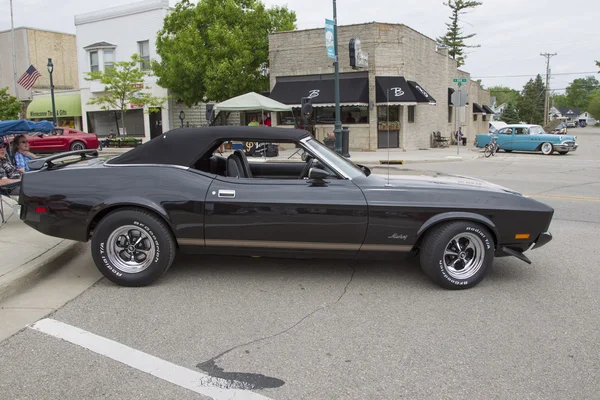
(259, 381)
(568, 186)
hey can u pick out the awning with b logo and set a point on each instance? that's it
(395, 90)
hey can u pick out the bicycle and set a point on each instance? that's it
(491, 148)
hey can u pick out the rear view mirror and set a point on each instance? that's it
(317, 174)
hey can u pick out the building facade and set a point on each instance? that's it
(399, 100)
(112, 35)
(35, 47)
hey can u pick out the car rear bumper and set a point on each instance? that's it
(542, 240)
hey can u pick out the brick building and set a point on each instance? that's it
(34, 47)
(405, 90)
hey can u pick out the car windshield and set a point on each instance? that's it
(334, 159)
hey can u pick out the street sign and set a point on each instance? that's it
(459, 98)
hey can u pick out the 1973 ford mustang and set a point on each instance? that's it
(177, 193)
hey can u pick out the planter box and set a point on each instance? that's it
(330, 143)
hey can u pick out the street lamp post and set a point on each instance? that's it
(50, 69)
(338, 123)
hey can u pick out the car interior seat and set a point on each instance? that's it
(234, 167)
(244, 161)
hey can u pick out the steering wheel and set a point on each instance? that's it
(309, 162)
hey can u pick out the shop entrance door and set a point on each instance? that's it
(156, 124)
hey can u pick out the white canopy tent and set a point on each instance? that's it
(252, 101)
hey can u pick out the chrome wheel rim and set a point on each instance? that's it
(464, 256)
(130, 249)
(77, 146)
(546, 148)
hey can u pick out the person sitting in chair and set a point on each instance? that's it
(8, 172)
(20, 149)
(460, 136)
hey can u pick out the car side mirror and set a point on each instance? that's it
(317, 174)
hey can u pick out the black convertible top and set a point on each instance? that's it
(183, 146)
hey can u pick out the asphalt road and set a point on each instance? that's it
(359, 330)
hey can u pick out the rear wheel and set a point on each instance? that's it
(488, 150)
(457, 254)
(547, 148)
(132, 247)
(77, 145)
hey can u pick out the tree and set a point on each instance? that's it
(124, 84)
(454, 38)
(510, 115)
(217, 49)
(505, 95)
(531, 104)
(9, 105)
(560, 100)
(578, 92)
(594, 104)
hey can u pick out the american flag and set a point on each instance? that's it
(29, 77)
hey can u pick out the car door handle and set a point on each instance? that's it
(227, 193)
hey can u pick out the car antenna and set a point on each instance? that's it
(388, 135)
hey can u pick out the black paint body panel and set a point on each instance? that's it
(275, 216)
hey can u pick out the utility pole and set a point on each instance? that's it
(337, 131)
(14, 52)
(547, 97)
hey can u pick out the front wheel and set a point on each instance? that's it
(458, 254)
(547, 148)
(132, 247)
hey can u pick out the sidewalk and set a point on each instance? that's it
(27, 254)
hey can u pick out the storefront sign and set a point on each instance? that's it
(314, 93)
(329, 43)
(398, 92)
(358, 58)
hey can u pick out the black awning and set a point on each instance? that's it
(487, 109)
(421, 95)
(477, 109)
(353, 91)
(450, 93)
(393, 89)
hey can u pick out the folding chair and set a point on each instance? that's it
(5, 191)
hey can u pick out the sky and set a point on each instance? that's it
(512, 33)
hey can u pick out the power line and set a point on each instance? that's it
(525, 76)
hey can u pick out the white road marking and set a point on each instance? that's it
(216, 388)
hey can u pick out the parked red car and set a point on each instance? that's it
(61, 139)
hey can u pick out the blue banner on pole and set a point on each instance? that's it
(329, 38)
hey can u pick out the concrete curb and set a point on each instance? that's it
(36, 269)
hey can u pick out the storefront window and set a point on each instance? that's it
(104, 123)
(326, 116)
(411, 114)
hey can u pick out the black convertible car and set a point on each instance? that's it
(177, 192)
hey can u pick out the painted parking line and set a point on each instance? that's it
(216, 388)
(556, 196)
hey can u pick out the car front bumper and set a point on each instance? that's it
(564, 147)
(542, 240)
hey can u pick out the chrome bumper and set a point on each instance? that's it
(564, 147)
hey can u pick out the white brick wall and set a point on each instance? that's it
(124, 27)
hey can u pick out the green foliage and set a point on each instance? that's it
(531, 104)
(594, 104)
(124, 84)
(560, 100)
(218, 49)
(510, 115)
(9, 105)
(578, 92)
(505, 94)
(454, 38)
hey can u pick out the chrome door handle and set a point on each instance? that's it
(227, 193)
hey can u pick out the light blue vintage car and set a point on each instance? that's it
(520, 137)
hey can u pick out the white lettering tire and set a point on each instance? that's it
(457, 254)
(132, 247)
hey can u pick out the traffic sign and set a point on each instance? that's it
(460, 80)
(459, 98)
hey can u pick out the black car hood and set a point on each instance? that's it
(429, 179)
